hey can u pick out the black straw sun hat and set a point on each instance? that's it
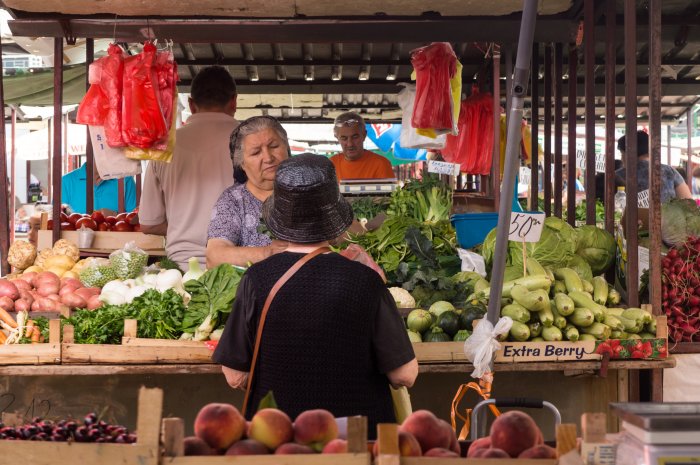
(306, 205)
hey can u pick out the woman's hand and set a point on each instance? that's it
(277, 247)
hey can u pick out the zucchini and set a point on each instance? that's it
(650, 327)
(583, 300)
(586, 337)
(462, 335)
(449, 322)
(535, 328)
(519, 331)
(517, 312)
(571, 333)
(570, 277)
(549, 273)
(614, 297)
(559, 321)
(480, 285)
(552, 334)
(565, 306)
(436, 334)
(537, 339)
(599, 330)
(638, 314)
(630, 325)
(582, 317)
(614, 322)
(646, 335)
(535, 301)
(587, 286)
(532, 283)
(546, 316)
(615, 311)
(614, 334)
(634, 336)
(534, 268)
(600, 290)
(559, 287)
(413, 336)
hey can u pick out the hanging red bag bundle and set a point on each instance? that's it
(111, 84)
(94, 105)
(143, 123)
(166, 73)
(434, 65)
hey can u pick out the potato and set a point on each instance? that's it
(59, 261)
(73, 301)
(21, 284)
(27, 295)
(47, 289)
(87, 292)
(54, 297)
(71, 274)
(58, 271)
(36, 306)
(68, 281)
(23, 305)
(67, 290)
(29, 276)
(6, 303)
(46, 277)
(94, 302)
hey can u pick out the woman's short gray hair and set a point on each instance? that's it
(250, 126)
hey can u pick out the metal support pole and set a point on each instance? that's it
(689, 164)
(4, 206)
(547, 171)
(13, 207)
(631, 151)
(89, 155)
(589, 61)
(535, 126)
(668, 144)
(496, 159)
(57, 134)
(512, 162)
(558, 116)
(609, 191)
(571, 129)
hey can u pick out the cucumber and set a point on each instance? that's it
(614, 334)
(650, 327)
(600, 290)
(586, 337)
(535, 301)
(638, 314)
(614, 322)
(552, 334)
(546, 316)
(517, 312)
(565, 306)
(582, 317)
(583, 300)
(559, 287)
(532, 283)
(535, 328)
(534, 268)
(646, 335)
(570, 277)
(587, 286)
(519, 331)
(537, 339)
(614, 297)
(571, 333)
(559, 321)
(599, 330)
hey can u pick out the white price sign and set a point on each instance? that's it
(526, 227)
(643, 198)
(442, 167)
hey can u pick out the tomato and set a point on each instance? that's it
(136, 227)
(66, 226)
(111, 220)
(122, 216)
(132, 218)
(104, 227)
(122, 226)
(98, 217)
(88, 222)
(74, 217)
(64, 218)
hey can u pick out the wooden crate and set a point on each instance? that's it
(107, 241)
(34, 354)
(173, 432)
(516, 352)
(146, 450)
(133, 350)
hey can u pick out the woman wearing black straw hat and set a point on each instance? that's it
(313, 327)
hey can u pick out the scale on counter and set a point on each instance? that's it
(658, 434)
(368, 186)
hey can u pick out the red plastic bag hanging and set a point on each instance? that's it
(166, 73)
(143, 123)
(435, 65)
(94, 106)
(111, 84)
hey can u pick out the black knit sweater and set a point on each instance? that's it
(330, 335)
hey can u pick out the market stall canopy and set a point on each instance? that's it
(35, 145)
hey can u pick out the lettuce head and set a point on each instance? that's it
(596, 246)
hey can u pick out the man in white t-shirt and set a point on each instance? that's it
(178, 197)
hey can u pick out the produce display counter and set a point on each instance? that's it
(684, 347)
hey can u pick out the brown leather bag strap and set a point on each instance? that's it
(270, 297)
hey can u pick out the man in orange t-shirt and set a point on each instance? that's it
(354, 162)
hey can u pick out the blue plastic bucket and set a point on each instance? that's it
(472, 228)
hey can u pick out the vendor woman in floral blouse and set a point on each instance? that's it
(258, 145)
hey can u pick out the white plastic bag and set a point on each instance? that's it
(410, 139)
(472, 261)
(111, 162)
(482, 344)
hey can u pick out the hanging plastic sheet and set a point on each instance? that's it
(386, 137)
(435, 65)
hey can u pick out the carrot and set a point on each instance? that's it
(35, 335)
(30, 328)
(4, 316)
(3, 338)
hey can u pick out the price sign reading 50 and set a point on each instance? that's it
(526, 227)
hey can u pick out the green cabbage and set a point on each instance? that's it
(680, 218)
(596, 246)
(581, 267)
(554, 249)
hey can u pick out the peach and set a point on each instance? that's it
(271, 427)
(197, 446)
(493, 453)
(540, 451)
(293, 448)
(315, 428)
(440, 452)
(336, 446)
(219, 425)
(408, 446)
(454, 442)
(427, 429)
(514, 432)
(481, 443)
(247, 447)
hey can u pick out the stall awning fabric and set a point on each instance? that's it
(37, 88)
